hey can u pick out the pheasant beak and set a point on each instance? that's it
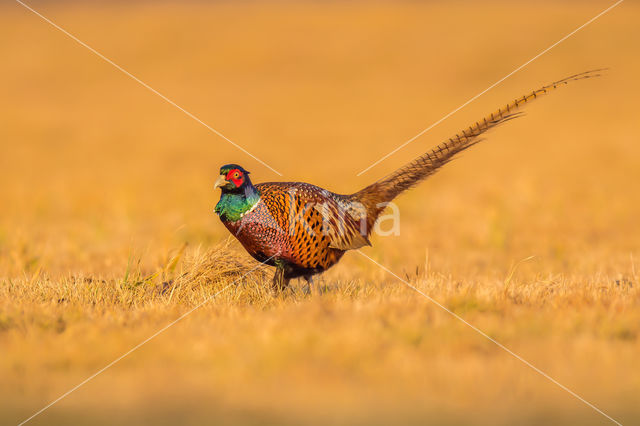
(222, 181)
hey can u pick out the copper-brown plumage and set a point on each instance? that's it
(303, 229)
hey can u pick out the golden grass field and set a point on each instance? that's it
(106, 194)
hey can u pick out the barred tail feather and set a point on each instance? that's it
(391, 186)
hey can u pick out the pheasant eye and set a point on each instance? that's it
(236, 175)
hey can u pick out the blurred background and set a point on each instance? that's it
(94, 167)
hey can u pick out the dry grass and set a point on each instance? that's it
(107, 232)
(247, 356)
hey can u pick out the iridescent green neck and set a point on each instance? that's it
(232, 206)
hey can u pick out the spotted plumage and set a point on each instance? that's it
(285, 227)
(303, 230)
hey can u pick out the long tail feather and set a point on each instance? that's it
(386, 189)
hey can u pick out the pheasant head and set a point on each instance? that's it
(232, 179)
(238, 193)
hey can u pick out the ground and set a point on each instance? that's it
(107, 231)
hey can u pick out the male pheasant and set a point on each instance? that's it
(303, 230)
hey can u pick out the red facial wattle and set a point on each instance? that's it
(235, 176)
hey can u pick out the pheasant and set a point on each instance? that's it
(303, 230)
